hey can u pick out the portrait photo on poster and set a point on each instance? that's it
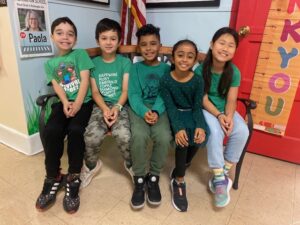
(3, 3)
(31, 20)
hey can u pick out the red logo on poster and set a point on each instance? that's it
(22, 35)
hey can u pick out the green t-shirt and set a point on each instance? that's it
(213, 94)
(109, 76)
(143, 90)
(66, 71)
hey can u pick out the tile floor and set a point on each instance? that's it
(269, 194)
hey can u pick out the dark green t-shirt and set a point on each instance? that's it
(213, 94)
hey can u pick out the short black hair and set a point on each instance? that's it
(60, 20)
(147, 29)
(107, 24)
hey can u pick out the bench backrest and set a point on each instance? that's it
(131, 51)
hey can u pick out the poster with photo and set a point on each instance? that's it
(3, 3)
(33, 29)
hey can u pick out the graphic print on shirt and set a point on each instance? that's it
(67, 77)
(150, 90)
(108, 83)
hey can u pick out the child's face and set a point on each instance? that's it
(149, 46)
(64, 37)
(184, 57)
(223, 48)
(109, 42)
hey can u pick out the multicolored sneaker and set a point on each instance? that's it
(129, 170)
(71, 200)
(87, 175)
(220, 189)
(179, 199)
(154, 195)
(48, 196)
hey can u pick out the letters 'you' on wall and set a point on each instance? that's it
(277, 72)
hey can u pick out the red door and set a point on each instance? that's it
(254, 14)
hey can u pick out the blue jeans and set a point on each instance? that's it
(216, 154)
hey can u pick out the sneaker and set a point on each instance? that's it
(87, 175)
(154, 196)
(138, 195)
(129, 170)
(48, 196)
(221, 190)
(71, 200)
(179, 199)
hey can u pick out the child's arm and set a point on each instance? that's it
(122, 100)
(100, 101)
(84, 85)
(230, 107)
(135, 93)
(63, 98)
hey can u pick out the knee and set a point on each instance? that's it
(215, 132)
(122, 135)
(76, 130)
(164, 138)
(242, 131)
(141, 136)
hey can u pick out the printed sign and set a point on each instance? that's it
(277, 74)
(33, 28)
(3, 3)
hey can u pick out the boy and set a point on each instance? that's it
(148, 119)
(109, 82)
(69, 75)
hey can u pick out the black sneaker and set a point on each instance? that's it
(138, 195)
(71, 200)
(48, 196)
(179, 199)
(154, 196)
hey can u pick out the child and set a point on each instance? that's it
(109, 81)
(69, 75)
(148, 118)
(182, 92)
(222, 79)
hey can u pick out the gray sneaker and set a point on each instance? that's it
(129, 170)
(87, 175)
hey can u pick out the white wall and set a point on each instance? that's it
(195, 23)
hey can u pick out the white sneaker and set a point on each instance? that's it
(129, 170)
(87, 175)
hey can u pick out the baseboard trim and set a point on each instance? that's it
(29, 145)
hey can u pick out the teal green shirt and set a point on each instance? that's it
(65, 70)
(143, 91)
(187, 95)
(109, 76)
(213, 94)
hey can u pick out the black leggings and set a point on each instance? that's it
(58, 126)
(183, 156)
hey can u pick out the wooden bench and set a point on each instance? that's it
(165, 53)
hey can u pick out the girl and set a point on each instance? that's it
(222, 79)
(182, 93)
(69, 74)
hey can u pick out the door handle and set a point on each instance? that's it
(244, 31)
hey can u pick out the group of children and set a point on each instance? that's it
(195, 108)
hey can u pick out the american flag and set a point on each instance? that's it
(133, 16)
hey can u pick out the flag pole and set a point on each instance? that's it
(129, 30)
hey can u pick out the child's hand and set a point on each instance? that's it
(114, 113)
(75, 108)
(199, 135)
(226, 124)
(151, 117)
(181, 138)
(107, 117)
(67, 107)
